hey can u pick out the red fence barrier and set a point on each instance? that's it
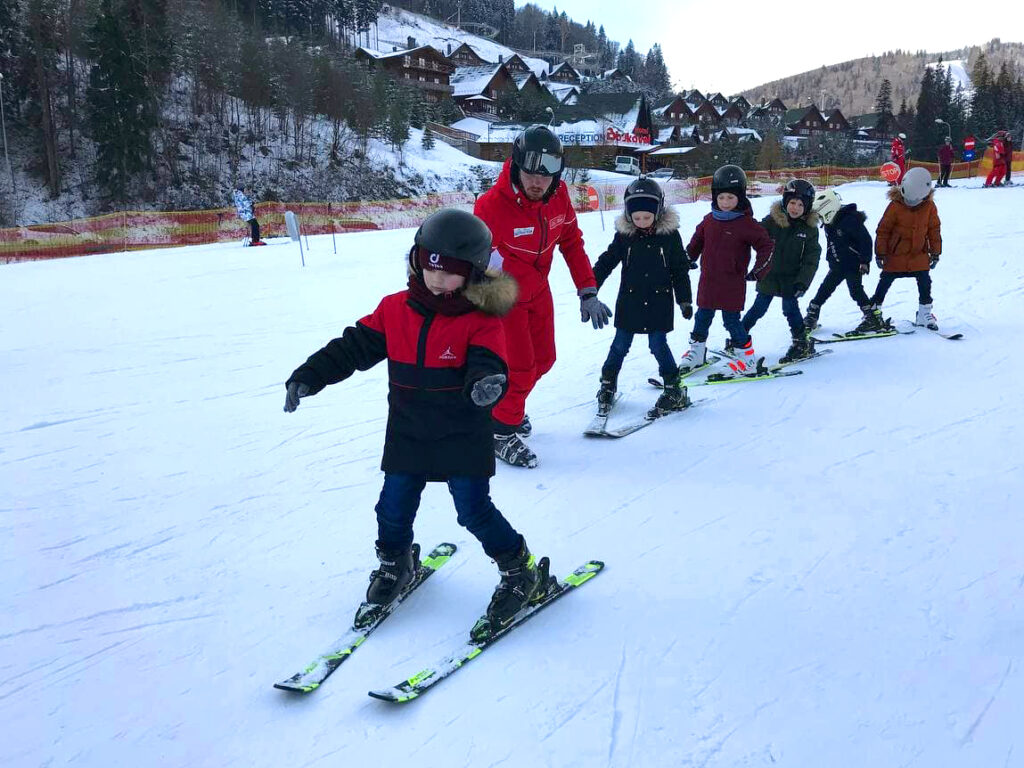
(133, 230)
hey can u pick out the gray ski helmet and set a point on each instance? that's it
(537, 150)
(801, 190)
(916, 186)
(453, 234)
(644, 189)
(827, 204)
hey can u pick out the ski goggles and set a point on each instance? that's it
(541, 163)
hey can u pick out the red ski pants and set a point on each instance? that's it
(996, 174)
(530, 348)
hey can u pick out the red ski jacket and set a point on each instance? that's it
(526, 233)
(897, 151)
(946, 155)
(434, 429)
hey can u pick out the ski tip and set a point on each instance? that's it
(293, 688)
(393, 695)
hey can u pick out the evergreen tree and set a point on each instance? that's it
(983, 121)
(120, 109)
(428, 139)
(552, 32)
(883, 103)
(928, 134)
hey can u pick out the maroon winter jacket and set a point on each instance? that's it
(946, 154)
(723, 248)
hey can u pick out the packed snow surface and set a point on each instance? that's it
(824, 570)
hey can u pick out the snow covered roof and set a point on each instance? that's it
(664, 134)
(672, 151)
(469, 81)
(740, 134)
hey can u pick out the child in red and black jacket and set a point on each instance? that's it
(445, 347)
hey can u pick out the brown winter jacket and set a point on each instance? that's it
(906, 236)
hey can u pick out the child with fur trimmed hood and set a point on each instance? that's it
(654, 267)
(793, 227)
(908, 241)
(445, 346)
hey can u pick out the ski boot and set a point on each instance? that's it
(694, 357)
(926, 318)
(673, 398)
(801, 348)
(746, 362)
(523, 580)
(525, 428)
(873, 322)
(606, 394)
(811, 318)
(396, 570)
(510, 448)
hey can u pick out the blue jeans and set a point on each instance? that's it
(790, 308)
(658, 343)
(731, 320)
(400, 498)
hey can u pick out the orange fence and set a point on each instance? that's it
(133, 230)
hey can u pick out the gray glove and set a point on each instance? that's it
(880, 261)
(933, 261)
(296, 390)
(487, 390)
(592, 309)
(799, 290)
(687, 309)
(865, 267)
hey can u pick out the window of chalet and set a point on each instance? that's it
(407, 61)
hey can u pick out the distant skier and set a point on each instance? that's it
(722, 243)
(945, 162)
(995, 176)
(244, 209)
(654, 267)
(849, 259)
(445, 347)
(793, 226)
(529, 212)
(908, 241)
(898, 153)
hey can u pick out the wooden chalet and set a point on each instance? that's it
(835, 121)
(803, 121)
(674, 111)
(565, 73)
(466, 56)
(476, 89)
(423, 67)
(877, 126)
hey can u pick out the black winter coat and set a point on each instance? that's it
(653, 267)
(849, 242)
(795, 254)
(434, 428)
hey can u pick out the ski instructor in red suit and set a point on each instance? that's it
(529, 212)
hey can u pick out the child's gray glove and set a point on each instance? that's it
(487, 390)
(880, 261)
(933, 261)
(687, 309)
(799, 290)
(865, 267)
(592, 309)
(296, 390)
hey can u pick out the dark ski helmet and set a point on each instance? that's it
(799, 189)
(731, 179)
(538, 150)
(644, 195)
(452, 235)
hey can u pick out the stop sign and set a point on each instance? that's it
(969, 143)
(592, 199)
(890, 172)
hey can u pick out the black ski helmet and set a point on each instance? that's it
(731, 179)
(537, 150)
(647, 190)
(453, 234)
(801, 190)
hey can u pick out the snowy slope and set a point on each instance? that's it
(960, 75)
(395, 26)
(820, 571)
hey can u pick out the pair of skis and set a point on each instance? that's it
(369, 616)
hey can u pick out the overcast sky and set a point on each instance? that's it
(735, 45)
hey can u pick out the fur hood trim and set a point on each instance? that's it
(494, 295)
(895, 194)
(666, 224)
(780, 217)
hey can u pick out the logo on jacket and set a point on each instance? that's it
(557, 221)
(521, 231)
(448, 355)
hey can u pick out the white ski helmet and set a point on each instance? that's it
(827, 204)
(916, 186)
(903, 136)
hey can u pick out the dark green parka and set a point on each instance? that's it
(795, 255)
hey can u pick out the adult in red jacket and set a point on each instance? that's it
(898, 153)
(995, 176)
(529, 212)
(945, 162)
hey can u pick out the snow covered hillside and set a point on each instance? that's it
(960, 74)
(825, 570)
